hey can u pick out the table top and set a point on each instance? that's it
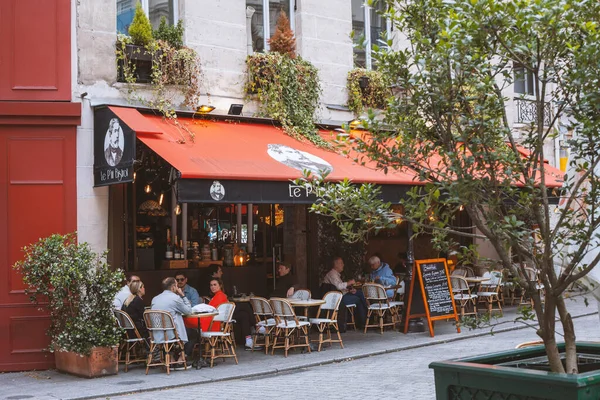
(306, 303)
(243, 299)
(476, 279)
(201, 315)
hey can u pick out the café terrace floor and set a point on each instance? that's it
(54, 385)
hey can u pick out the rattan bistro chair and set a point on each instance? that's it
(163, 338)
(132, 344)
(489, 293)
(326, 319)
(379, 307)
(265, 323)
(220, 343)
(292, 331)
(462, 295)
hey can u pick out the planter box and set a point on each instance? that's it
(492, 376)
(101, 362)
(138, 58)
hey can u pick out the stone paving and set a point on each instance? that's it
(399, 356)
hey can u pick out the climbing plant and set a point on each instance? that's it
(373, 93)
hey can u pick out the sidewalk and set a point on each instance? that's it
(54, 385)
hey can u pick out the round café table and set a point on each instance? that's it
(198, 317)
(305, 303)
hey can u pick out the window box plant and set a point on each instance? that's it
(76, 286)
(366, 89)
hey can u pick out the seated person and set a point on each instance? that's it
(190, 293)
(401, 267)
(124, 292)
(212, 271)
(219, 297)
(350, 295)
(285, 284)
(382, 273)
(134, 307)
(173, 301)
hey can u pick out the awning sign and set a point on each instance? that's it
(114, 149)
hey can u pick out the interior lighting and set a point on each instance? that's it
(205, 109)
(178, 210)
(147, 188)
(161, 198)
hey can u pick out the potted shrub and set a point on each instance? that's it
(132, 54)
(77, 288)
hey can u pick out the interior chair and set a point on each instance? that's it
(489, 292)
(462, 295)
(292, 331)
(219, 344)
(163, 338)
(379, 307)
(133, 346)
(326, 319)
(265, 322)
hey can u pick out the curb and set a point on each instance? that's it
(274, 371)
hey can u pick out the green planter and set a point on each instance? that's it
(517, 375)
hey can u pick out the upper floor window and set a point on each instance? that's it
(263, 16)
(369, 25)
(524, 80)
(155, 10)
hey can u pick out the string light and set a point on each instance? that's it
(161, 198)
(134, 175)
(462, 207)
(178, 210)
(147, 188)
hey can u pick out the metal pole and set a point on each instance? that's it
(173, 215)
(250, 229)
(238, 232)
(184, 222)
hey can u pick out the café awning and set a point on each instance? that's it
(246, 162)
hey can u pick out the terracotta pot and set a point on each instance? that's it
(102, 361)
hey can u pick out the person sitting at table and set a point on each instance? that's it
(134, 307)
(285, 284)
(382, 273)
(173, 301)
(124, 292)
(218, 297)
(190, 293)
(350, 294)
(212, 271)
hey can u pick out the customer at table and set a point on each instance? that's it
(212, 271)
(382, 273)
(173, 301)
(350, 294)
(218, 297)
(285, 284)
(134, 307)
(190, 293)
(124, 292)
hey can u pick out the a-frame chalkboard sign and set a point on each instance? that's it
(430, 294)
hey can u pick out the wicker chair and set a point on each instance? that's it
(532, 278)
(379, 307)
(302, 294)
(326, 319)
(293, 331)
(462, 295)
(350, 308)
(489, 293)
(263, 313)
(132, 344)
(220, 343)
(163, 338)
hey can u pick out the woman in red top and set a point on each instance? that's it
(216, 288)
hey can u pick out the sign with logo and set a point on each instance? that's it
(114, 149)
(298, 159)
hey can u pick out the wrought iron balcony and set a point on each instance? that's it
(527, 111)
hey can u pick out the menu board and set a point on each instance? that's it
(430, 294)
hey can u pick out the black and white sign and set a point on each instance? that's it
(114, 149)
(298, 159)
(217, 191)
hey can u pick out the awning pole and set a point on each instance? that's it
(238, 224)
(184, 222)
(250, 228)
(173, 216)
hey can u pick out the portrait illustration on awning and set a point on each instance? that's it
(217, 191)
(298, 159)
(114, 143)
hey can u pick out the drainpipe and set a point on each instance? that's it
(249, 13)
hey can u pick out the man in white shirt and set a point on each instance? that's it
(124, 293)
(351, 295)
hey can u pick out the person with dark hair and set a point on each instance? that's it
(350, 294)
(173, 301)
(285, 284)
(218, 297)
(124, 293)
(134, 307)
(212, 271)
(190, 293)
(401, 267)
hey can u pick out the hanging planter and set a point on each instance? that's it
(366, 89)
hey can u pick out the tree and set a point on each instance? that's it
(283, 40)
(451, 126)
(140, 29)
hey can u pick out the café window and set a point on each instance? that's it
(155, 10)
(524, 80)
(262, 16)
(369, 26)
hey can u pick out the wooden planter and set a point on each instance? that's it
(140, 59)
(518, 375)
(101, 362)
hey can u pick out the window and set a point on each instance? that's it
(524, 82)
(259, 19)
(369, 25)
(155, 10)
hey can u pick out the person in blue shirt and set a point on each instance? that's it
(382, 273)
(190, 293)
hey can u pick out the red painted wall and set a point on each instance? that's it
(35, 46)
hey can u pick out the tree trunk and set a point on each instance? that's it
(569, 332)
(547, 331)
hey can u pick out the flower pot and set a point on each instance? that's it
(518, 374)
(140, 61)
(101, 362)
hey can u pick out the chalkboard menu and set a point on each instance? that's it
(430, 294)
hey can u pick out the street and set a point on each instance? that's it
(398, 375)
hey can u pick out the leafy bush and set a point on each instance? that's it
(374, 95)
(140, 29)
(79, 288)
(172, 34)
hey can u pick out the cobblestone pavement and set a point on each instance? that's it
(399, 375)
